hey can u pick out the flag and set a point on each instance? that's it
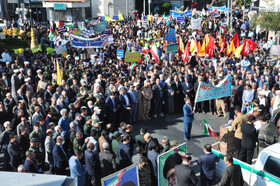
(107, 18)
(133, 66)
(250, 112)
(248, 47)
(211, 46)
(201, 51)
(117, 180)
(208, 130)
(120, 16)
(134, 11)
(235, 40)
(181, 45)
(154, 52)
(231, 48)
(228, 48)
(238, 50)
(186, 53)
(51, 33)
(59, 74)
(222, 44)
(165, 44)
(192, 46)
(222, 30)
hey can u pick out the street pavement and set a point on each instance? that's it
(172, 126)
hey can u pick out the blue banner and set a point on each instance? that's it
(172, 47)
(80, 42)
(170, 36)
(120, 53)
(208, 92)
(85, 33)
(61, 29)
(175, 14)
(180, 19)
(116, 17)
(100, 27)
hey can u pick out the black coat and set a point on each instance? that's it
(15, 154)
(107, 163)
(30, 167)
(185, 175)
(249, 135)
(92, 162)
(232, 176)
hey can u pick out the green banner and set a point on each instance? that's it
(164, 168)
(132, 57)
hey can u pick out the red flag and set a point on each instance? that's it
(249, 46)
(165, 44)
(186, 53)
(235, 40)
(211, 46)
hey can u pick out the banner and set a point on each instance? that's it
(132, 57)
(100, 27)
(126, 176)
(120, 53)
(172, 47)
(85, 33)
(196, 23)
(60, 49)
(208, 92)
(275, 50)
(180, 19)
(61, 29)
(170, 36)
(80, 42)
(167, 161)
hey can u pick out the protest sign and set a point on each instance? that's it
(172, 47)
(170, 36)
(120, 53)
(196, 23)
(80, 42)
(167, 161)
(60, 49)
(275, 50)
(132, 57)
(208, 92)
(85, 33)
(61, 29)
(100, 27)
(77, 31)
(126, 176)
(116, 17)
(180, 19)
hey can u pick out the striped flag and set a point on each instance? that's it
(208, 130)
(250, 112)
(117, 180)
(154, 52)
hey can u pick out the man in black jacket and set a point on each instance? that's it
(30, 163)
(249, 139)
(92, 164)
(232, 176)
(184, 174)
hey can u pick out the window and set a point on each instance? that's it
(272, 166)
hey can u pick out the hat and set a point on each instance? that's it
(261, 92)
(174, 143)
(77, 114)
(16, 71)
(257, 109)
(88, 118)
(96, 109)
(27, 79)
(21, 69)
(68, 56)
(116, 134)
(98, 96)
(136, 84)
(97, 121)
(33, 140)
(38, 71)
(26, 62)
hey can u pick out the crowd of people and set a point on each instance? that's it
(88, 117)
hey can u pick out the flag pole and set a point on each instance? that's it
(216, 143)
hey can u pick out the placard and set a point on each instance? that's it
(132, 57)
(120, 53)
(60, 49)
(172, 48)
(180, 19)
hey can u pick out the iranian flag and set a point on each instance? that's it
(134, 11)
(250, 112)
(208, 130)
(117, 180)
(154, 52)
(133, 66)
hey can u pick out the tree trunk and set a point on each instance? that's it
(5, 9)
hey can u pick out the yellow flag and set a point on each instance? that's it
(192, 46)
(120, 16)
(107, 18)
(182, 48)
(238, 50)
(59, 73)
(207, 40)
(232, 47)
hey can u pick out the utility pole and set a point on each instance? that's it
(144, 7)
(231, 15)
(126, 4)
(228, 13)
(30, 14)
(149, 7)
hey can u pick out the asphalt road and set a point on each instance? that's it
(172, 127)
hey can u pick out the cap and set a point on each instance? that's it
(26, 62)
(174, 143)
(116, 134)
(97, 121)
(68, 56)
(88, 118)
(96, 109)
(39, 71)
(33, 140)
(257, 109)
(77, 114)
(98, 96)
(136, 84)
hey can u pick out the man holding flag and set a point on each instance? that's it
(188, 118)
